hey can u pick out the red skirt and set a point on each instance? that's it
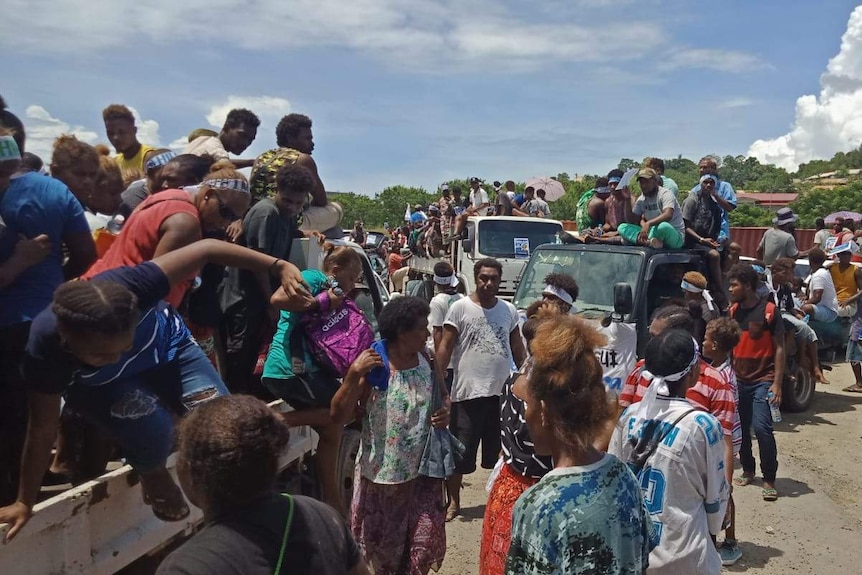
(497, 526)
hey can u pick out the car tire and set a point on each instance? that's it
(347, 454)
(797, 395)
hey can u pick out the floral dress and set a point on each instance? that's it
(397, 515)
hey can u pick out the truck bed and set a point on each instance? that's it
(101, 526)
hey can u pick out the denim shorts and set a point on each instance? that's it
(854, 352)
(824, 314)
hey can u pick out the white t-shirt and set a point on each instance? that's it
(684, 484)
(440, 305)
(477, 198)
(822, 279)
(483, 356)
(209, 145)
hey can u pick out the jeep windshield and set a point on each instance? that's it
(595, 271)
(498, 238)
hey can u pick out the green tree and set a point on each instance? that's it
(627, 164)
(815, 204)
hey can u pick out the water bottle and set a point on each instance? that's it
(115, 224)
(773, 409)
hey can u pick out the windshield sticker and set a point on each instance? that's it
(522, 248)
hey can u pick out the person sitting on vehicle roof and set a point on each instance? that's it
(478, 206)
(703, 217)
(657, 164)
(590, 215)
(618, 205)
(657, 220)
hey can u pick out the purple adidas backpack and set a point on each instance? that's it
(335, 338)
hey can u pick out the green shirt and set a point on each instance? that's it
(278, 363)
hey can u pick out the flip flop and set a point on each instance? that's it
(158, 505)
(855, 388)
(769, 494)
(743, 480)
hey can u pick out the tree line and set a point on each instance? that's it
(743, 173)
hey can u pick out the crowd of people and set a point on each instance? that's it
(150, 288)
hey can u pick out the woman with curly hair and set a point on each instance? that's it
(519, 467)
(586, 515)
(227, 464)
(397, 515)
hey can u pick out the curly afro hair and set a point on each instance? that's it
(294, 179)
(564, 282)
(289, 127)
(400, 315)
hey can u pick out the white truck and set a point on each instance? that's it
(508, 239)
(102, 526)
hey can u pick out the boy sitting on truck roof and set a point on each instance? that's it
(658, 219)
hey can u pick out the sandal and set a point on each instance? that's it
(769, 494)
(743, 480)
(855, 388)
(162, 507)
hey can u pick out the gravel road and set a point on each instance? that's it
(814, 528)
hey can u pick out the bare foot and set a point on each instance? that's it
(452, 512)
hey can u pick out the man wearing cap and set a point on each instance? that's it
(778, 241)
(847, 278)
(398, 260)
(657, 220)
(446, 286)
(478, 199)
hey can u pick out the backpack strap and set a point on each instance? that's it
(653, 445)
(287, 525)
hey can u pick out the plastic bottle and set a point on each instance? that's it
(115, 224)
(773, 409)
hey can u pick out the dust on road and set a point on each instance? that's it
(814, 528)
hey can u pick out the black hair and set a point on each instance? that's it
(602, 182)
(656, 164)
(196, 167)
(401, 314)
(744, 274)
(817, 256)
(487, 263)
(670, 352)
(32, 162)
(289, 127)
(12, 122)
(674, 317)
(230, 446)
(294, 179)
(95, 307)
(615, 173)
(819, 223)
(239, 117)
(564, 282)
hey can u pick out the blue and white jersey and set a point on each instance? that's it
(684, 482)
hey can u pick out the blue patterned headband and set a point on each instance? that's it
(159, 160)
(235, 184)
(9, 149)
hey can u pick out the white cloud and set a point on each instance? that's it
(417, 35)
(730, 61)
(831, 122)
(734, 103)
(267, 108)
(42, 129)
(148, 130)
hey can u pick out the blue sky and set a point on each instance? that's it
(416, 92)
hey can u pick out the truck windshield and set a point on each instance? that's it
(497, 238)
(595, 271)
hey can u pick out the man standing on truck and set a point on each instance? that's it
(758, 360)
(484, 331)
(703, 216)
(657, 220)
(778, 241)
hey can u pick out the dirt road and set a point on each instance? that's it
(814, 528)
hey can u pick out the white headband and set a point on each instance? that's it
(658, 384)
(446, 280)
(557, 292)
(691, 288)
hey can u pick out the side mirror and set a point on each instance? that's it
(467, 245)
(623, 299)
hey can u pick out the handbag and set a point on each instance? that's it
(443, 451)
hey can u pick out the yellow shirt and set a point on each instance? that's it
(136, 162)
(845, 282)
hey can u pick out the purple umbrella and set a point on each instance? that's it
(832, 218)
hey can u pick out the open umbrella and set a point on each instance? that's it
(554, 190)
(831, 218)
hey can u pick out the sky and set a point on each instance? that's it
(417, 92)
